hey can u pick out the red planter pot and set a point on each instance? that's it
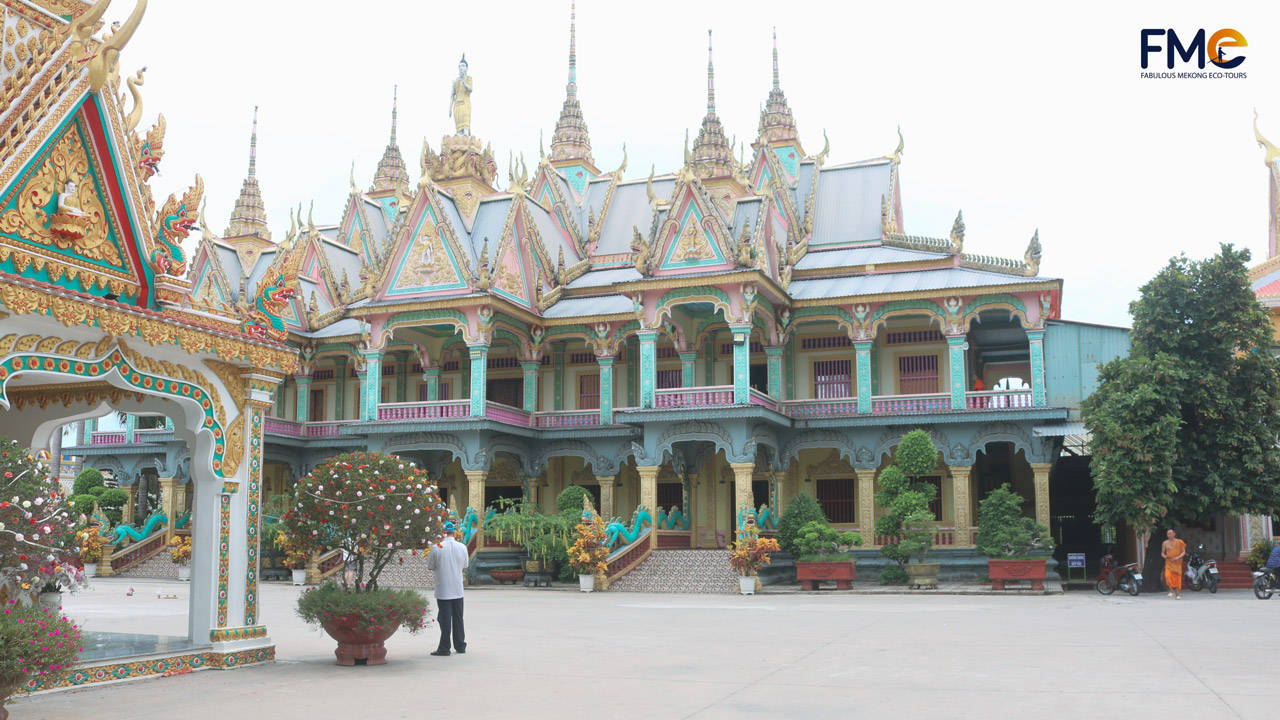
(811, 573)
(1002, 571)
(364, 645)
(507, 576)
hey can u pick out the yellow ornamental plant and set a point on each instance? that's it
(180, 549)
(588, 552)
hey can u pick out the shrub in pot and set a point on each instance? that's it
(822, 555)
(372, 506)
(589, 551)
(801, 510)
(544, 537)
(1015, 546)
(908, 520)
(748, 554)
(90, 550)
(180, 554)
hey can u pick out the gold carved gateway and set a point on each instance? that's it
(58, 206)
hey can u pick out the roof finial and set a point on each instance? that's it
(775, 56)
(572, 88)
(253, 144)
(711, 78)
(395, 96)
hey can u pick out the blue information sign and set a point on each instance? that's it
(1075, 560)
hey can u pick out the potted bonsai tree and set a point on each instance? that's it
(588, 552)
(1015, 546)
(37, 644)
(908, 521)
(372, 506)
(823, 555)
(180, 554)
(748, 555)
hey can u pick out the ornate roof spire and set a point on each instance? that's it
(395, 97)
(711, 156)
(570, 143)
(777, 124)
(391, 173)
(249, 217)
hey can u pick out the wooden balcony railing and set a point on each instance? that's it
(842, 407)
(909, 404)
(567, 419)
(997, 399)
(670, 398)
(430, 410)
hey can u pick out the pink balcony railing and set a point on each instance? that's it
(843, 407)
(326, 429)
(506, 414)
(430, 410)
(280, 426)
(997, 399)
(107, 438)
(693, 397)
(567, 419)
(759, 398)
(907, 404)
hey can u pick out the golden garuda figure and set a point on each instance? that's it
(460, 99)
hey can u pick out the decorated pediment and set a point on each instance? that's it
(428, 260)
(63, 218)
(694, 237)
(210, 286)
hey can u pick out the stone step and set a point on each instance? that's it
(681, 571)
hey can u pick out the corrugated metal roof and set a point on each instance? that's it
(580, 307)
(345, 326)
(265, 258)
(454, 218)
(600, 278)
(904, 282)
(230, 265)
(873, 255)
(489, 222)
(1264, 281)
(1060, 430)
(803, 183)
(342, 258)
(848, 204)
(744, 214)
(552, 238)
(630, 207)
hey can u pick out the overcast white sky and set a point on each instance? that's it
(1023, 115)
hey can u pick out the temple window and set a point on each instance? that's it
(917, 374)
(837, 498)
(831, 379)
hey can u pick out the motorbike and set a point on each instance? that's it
(1265, 583)
(1201, 573)
(1125, 577)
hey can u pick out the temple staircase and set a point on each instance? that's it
(680, 571)
(1234, 575)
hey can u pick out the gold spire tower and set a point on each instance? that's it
(777, 124)
(570, 143)
(391, 173)
(249, 217)
(712, 156)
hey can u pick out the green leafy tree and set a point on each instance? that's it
(1003, 532)
(1186, 426)
(801, 510)
(569, 501)
(88, 479)
(906, 499)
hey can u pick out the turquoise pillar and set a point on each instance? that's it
(1036, 339)
(633, 370)
(741, 364)
(606, 390)
(479, 378)
(130, 427)
(90, 426)
(956, 347)
(432, 378)
(530, 385)
(688, 375)
(557, 374)
(789, 366)
(862, 352)
(648, 367)
(773, 356)
(302, 398)
(371, 388)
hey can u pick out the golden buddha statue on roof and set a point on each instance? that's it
(460, 99)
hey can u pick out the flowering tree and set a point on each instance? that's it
(36, 643)
(371, 506)
(37, 542)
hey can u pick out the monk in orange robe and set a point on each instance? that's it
(1173, 550)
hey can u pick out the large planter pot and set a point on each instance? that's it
(507, 576)
(91, 569)
(923, 575)
(1002, 571)
(300, 576)
(184, 572)
(4, 697)
(355, 646)
(587, 583)
(52, 600)
(811, 573)
(747, 584)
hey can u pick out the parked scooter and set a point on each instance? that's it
(1125, 577)
(1265, 583)
(1201, 574)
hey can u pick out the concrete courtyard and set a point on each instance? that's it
(538, 653)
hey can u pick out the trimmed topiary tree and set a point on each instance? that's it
(88, 479)
(909, 518)
(112, 502)
(801, 510)
(1003, 532)
(569, 501)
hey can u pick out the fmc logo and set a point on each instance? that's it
(1197, 48)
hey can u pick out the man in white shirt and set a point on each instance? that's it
(448, 560)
